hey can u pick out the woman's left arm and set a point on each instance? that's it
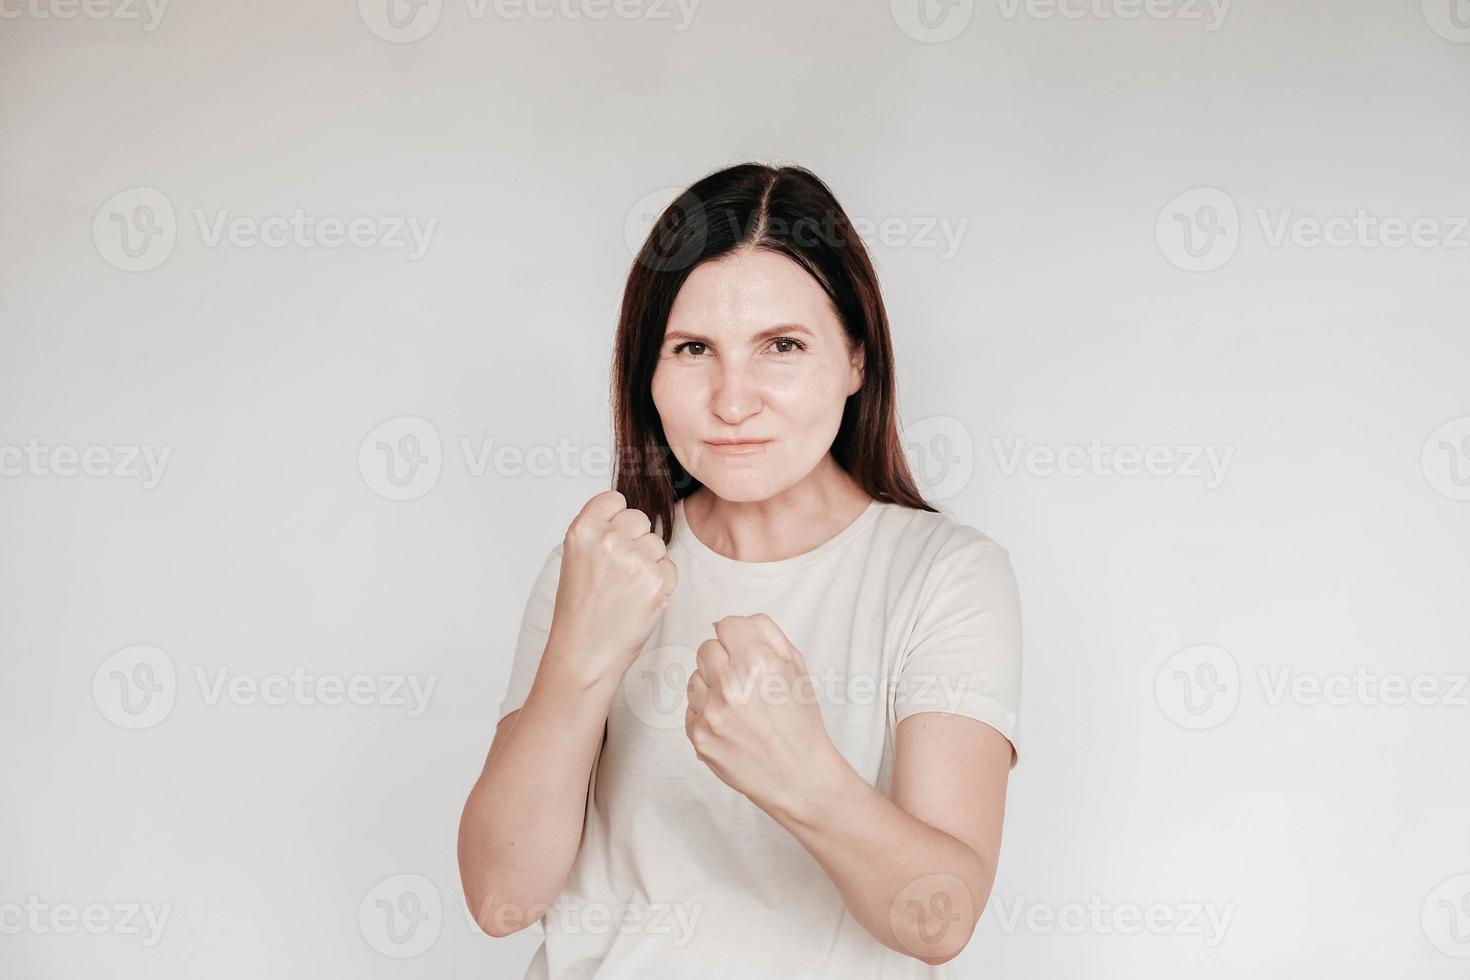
(915, 870)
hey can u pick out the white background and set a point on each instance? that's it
(1069, 150)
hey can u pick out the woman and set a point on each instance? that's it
(770, 738)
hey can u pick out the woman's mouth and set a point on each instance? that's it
(737, 448)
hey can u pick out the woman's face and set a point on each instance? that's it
(752, 351)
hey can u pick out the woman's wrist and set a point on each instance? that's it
(568, 672)
(820, 794)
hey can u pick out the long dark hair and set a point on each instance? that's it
(790, 211)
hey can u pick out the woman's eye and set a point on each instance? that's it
(698, 349)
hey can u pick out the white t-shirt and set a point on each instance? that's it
(678, 875)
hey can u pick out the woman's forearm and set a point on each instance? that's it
(522, 823)
(916, 889)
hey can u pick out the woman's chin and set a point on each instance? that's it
(738, 487)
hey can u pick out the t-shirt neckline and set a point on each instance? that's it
(704, 552)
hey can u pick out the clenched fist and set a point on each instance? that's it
(615, 582)
(753, 715)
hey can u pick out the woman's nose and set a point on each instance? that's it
(735, 396)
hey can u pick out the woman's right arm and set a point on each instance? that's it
(522, 823)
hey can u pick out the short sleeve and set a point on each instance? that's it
(531, 641)
(964, 654)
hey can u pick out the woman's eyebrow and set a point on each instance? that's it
(779, 330)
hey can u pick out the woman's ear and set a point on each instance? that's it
(855, 377)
